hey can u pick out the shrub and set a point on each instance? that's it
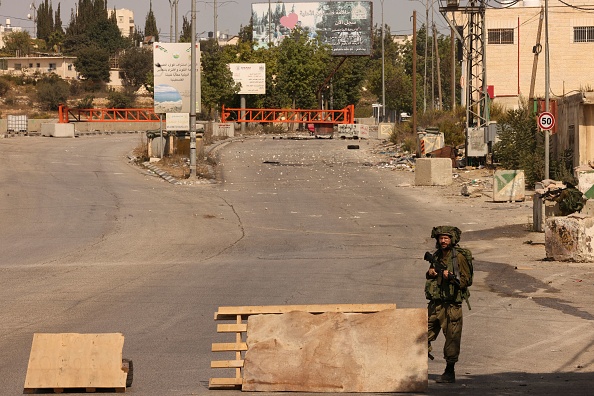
(4, 86)
(52, 91)
(521, 145)
(119, 100)
(85, 103)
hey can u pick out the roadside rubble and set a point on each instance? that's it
(473, 182)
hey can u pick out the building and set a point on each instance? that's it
(7, 29)
(63, 66)
(512, 41)
(125, 21)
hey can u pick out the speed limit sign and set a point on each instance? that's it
(546, 121)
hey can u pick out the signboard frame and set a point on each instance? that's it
(252, 77)
(344, 25)
(172, 76)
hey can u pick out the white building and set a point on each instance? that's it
(125, 21)
(7, 29)
(512, 37)
(63, 66)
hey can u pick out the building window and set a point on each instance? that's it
(38, 65)
(501, 36)
(121, 19)
(31, 65)
(583, 34)
(17, 66)
(70, 67)
(3, 64)
(52, 66)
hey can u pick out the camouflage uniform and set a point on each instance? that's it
(445, 300)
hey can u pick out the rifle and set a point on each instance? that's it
(440, 267)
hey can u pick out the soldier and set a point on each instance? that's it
(449, 275)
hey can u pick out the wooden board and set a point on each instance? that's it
(240, 313)
(70, 360)
(232, 312)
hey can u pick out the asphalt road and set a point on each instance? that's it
(93, 244)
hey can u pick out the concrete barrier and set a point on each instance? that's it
(586, 182)
(57, 130)
(433, 172)
(509, 186)
(570, 238)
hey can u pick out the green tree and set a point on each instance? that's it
(521, 145)
(45, 20)
(347, 83)
(217, 83)
(186, 32)
(150, 24)
(58, 21)
(91, 26)
(92, 63)
(246, 33)
(18, 43)
(119, 100)
(136, 63)
(302, 67)
(52, 91)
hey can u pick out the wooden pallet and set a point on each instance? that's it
(239, 346)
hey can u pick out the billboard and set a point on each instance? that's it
(344, 25)
(172, 75)
(252, 77)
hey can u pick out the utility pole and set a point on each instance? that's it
(216, 33)
(477, 113)
(414, 74)
(171, 5)
(176, 21)
(547, 86)
(193, 93)
(453, 74)
(383, 68)
(439, 99)
(426, 43)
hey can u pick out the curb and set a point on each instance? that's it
(162, 174)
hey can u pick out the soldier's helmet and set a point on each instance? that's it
(451, 231)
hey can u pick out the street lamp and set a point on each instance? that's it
(216, 17)
(33, 7)
(172, 35)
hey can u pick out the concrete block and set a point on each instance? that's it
(360, 131)
(57, 130)
(223, 129)
(570, 238)
(588, 209)
(385, 130)
(337, 352)
(509, 186)
(586, 183)
(433, 172)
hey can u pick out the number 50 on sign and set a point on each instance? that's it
(546, 121)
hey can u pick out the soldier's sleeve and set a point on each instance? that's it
(464, 271)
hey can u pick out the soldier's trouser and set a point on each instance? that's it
(448, 318)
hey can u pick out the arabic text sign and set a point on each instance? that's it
(344, 25)
(252, 77)
(172, 70)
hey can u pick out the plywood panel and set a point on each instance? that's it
(70, 360)
(336, 352)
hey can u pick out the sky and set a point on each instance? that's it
(231, 14)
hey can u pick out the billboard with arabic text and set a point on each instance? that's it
(344, 25)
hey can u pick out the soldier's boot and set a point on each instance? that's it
(448, 376)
